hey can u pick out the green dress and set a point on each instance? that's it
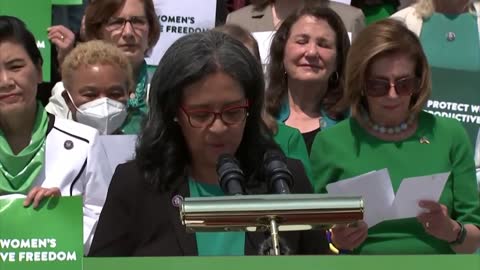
(216, 243)
(347, 150)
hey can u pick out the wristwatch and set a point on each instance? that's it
(462, 234)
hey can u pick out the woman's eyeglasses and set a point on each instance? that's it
(229, 115)
(403, 87)
(137, 23)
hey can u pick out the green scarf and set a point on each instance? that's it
(138, 102)
(18, 172)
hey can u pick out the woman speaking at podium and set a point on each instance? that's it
(206, 100)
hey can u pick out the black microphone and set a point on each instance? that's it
(279, 177)
(230, 175)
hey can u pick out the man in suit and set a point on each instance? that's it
(266, 15)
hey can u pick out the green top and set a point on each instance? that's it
(292, 144)
(378, 12)
(133, 123)
(137, 104)
(19, 171)
(461, 53)
(347, 150)
(216, 243)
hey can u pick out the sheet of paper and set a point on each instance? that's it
(119, 148)
(12, 196)
(376, 190)
(264, 40)
(414, 189)
(347, 2)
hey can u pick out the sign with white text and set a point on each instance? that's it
(455, 95)
(49, 237)
(179, 18)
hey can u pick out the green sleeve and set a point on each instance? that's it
(298, 150)
(465, 193)
(292, 144)
(323, 169)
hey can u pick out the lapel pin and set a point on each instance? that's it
(424, 140)
(177, 200)
(68, 144)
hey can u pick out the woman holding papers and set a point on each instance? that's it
(41, 155)
(387, 85)
(207, 100)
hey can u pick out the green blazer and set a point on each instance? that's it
(292, 144)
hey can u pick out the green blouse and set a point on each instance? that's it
(216, 243)
(292, 144)
(347, 150)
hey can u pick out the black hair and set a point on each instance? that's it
(13, 29)
(162, 153)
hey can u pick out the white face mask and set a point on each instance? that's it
(104, 114)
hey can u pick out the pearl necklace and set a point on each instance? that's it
(389, 130)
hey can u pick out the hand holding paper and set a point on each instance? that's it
(379, 199)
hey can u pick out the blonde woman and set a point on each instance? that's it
(98, 80)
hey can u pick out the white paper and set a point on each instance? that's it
(347, 2)
(380, 202)
(414, 189)
(13, 196)
(119, 148)
(264, 40)
(178, 18)
(376, 190)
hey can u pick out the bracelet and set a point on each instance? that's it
(462, 234)
(332, 247)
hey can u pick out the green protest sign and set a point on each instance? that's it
(455, 95)
(49, 237)
(37, 15)
(66, 2)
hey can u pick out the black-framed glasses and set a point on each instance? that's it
(403, 87)
(137, 23)
(229, 115)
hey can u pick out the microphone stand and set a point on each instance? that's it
(275, 237)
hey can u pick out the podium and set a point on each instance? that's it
(269, 212)
(320, 262)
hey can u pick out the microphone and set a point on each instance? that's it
(230, 175)
(279, 177)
